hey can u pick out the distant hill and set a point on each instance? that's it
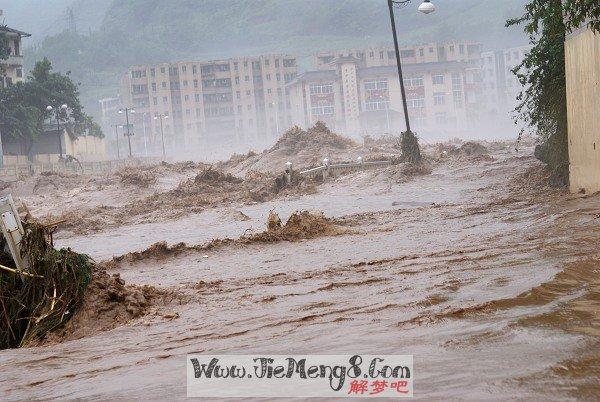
(42, 18)
(128, 32)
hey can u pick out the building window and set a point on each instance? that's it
(194, 70)
(267, 62)
(278, 76)
(249, 107)
(289, 62)
(195, 83)
(268, 77)
(19, 72)
(440, 118)
(316, 89)
(377, 94)
(139, 89)
(138, 73)
(237, 80)
(197, 97)
(419, 121)
(162, 70)
(438, 79)
(458, 100)
(413, 82)
(438, 98)
(457, 81)
(415, 103)
(277, 63)
(407, 53)
(421, 52)
(164, 84)
(183, 69)
(153, 72)
(381, 55)
(322, 108)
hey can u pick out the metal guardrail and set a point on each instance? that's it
(329, 170)
(16, 172)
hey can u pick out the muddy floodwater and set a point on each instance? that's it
(490, 279)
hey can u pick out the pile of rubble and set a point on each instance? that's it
(303, 148)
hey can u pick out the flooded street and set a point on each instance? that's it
(488, 279)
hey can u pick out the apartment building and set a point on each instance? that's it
(12, 68)
(239, 99)
(461, 51)
(500, 85)
(357, 98)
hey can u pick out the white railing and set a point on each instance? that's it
(16, 172)
(328, 170)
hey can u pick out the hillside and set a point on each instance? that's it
(42, 18)
(140, 31)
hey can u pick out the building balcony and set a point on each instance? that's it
(14, 60)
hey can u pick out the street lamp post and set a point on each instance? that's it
(117, 136)
(57, 111)
(162, 134)
(426, 7)
(273, 104)
(129, 134)
(144, 128)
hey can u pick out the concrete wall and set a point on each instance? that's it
(582, 51)
(45, 149)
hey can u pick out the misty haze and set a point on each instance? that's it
(189, 181)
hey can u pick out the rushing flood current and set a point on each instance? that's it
(489, 281)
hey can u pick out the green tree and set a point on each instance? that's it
(4, 50)
(543, 102)
(23, 105)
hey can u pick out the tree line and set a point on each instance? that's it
(543, 101)
(23, 105)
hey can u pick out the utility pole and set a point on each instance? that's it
(129, 133)
(117, 137)
(162, 133)
(71, 18)
(276, 105)
(144, 128)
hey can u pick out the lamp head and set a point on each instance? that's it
(49, 108)
(64, 107)
(427, 7)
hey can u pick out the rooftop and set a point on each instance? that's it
(4, 28)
